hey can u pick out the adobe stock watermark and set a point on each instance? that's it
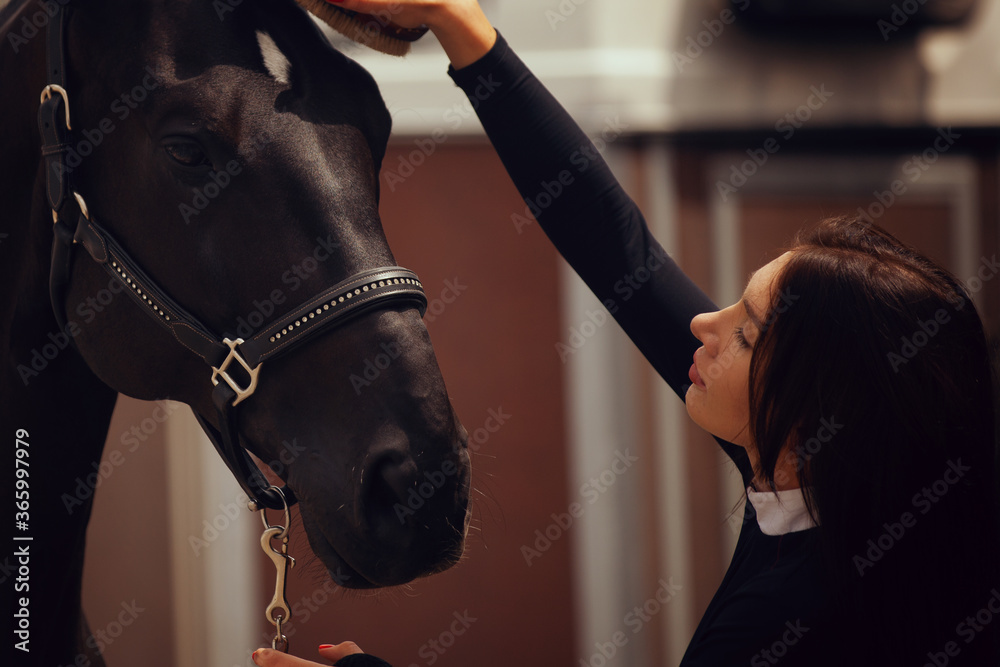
(294, 276)
(773, 654)
(373, 367)
(409, 162)
(303, 609)
(104, 637)
(432, 650)
(912, 170)
(449, 293)
(798, 456)
(223, 7)
(218, 181)
(635, 620)
(30, 26)
(133, 437)
(626, 287)
(7, 569)
(698, 43)
(591, 491)
(582, 159)
(562, 12)
(967, 629)
(59, 340)
(910, 346)
(803, 452)
(121, 108)
(425, 147)
(229, 512)
(99, 640)
(786, 127)
(91, 307)
(724, 361)
(433, 480)
(212, 528)
(923, 501)
(899, 16)
(495, 419)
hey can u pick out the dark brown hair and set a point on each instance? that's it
(888, 347)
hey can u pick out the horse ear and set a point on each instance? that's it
(293, 43)
(314, 66)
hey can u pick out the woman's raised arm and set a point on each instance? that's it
(566, 184)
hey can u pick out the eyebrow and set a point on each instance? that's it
(757, 321)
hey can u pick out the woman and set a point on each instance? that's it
(850, 385)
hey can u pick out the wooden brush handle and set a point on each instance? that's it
(386, 27)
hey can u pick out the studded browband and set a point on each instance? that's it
(75, 225)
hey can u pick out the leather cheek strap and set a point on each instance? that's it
(52, 126)
(251, 480)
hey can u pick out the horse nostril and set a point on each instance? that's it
(411, 511)
(384, 491)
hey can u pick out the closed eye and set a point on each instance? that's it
(741, 339)
(187, 153)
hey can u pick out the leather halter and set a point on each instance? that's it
(75, 225)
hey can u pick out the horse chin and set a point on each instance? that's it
(340, 571)
(347, 572)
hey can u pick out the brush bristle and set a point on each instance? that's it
(353, 28)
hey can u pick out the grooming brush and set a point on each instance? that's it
(373, 31)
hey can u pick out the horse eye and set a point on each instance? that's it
(187, 153)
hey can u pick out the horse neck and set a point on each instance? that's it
(25, 226)
(46, 390)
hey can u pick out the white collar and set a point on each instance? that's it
(780, 512)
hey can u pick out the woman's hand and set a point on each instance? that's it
(266, 657)
(460, 25)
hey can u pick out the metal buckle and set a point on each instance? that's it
(241, 392)
(47, 93)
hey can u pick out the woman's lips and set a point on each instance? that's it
(693, 374)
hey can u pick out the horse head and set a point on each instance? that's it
(235, 155)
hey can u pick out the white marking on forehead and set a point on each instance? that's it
(274, 60)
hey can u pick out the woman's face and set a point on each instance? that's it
(718, 399)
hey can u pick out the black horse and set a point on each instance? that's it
(235, 155)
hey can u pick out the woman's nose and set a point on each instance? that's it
(697, 326)
(701, 327)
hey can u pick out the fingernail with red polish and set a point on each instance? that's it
(322, 646)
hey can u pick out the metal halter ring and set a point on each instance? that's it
(263, 514)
